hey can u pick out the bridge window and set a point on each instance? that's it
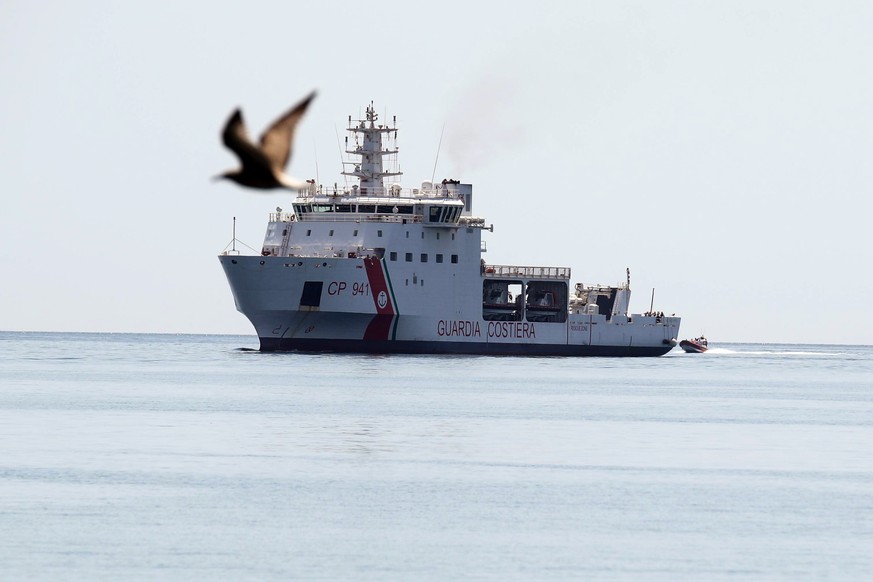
(439, 258)
(408, 257)
(393, 255)
(423, 257)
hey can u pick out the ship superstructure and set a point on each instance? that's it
(378, 268)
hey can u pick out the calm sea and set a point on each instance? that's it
(195, 457)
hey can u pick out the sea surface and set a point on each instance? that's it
(130, 457)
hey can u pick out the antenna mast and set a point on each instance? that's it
(439, 146)
(369, 147)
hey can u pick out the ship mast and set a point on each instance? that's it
(368, 144)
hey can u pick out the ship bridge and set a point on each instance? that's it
(378, 216)
(373, 146)
(445, 205)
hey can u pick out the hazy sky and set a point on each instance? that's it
(721, 150)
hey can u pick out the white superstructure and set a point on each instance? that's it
(380, 268)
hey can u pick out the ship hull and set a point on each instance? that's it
(379, 319)
(272, 344)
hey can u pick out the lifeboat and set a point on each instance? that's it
(697, 345)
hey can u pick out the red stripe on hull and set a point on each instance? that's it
(380, 327)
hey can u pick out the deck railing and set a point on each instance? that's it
(344, 217)
(463, 221)
(394, 191)
(506, 271)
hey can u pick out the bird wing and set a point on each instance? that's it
(276, 141)
(236, 138)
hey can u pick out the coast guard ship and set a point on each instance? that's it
(377, 268)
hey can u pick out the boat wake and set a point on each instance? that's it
(789, 353)
(774, 352)
(720, 351)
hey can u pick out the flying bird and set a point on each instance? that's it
(263, 166)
